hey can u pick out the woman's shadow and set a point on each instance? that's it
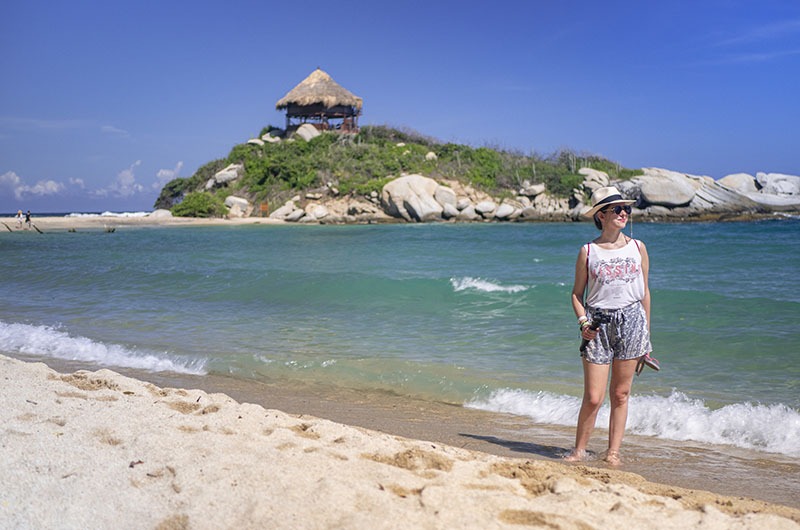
(547, 451)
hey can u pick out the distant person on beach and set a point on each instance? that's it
(19, 218)
(28, 219)
(610, 287)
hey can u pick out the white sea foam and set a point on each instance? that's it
(110, 214)
(769, 428)
(47, 341)
(478, 284)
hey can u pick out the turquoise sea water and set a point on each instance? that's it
(473, 314)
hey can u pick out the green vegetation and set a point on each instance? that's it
(200, 204)
(364, 162)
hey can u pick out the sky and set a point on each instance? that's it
(103, 102)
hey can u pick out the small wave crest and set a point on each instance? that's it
(478, 284)
(768, 428)
(47, 341)
(110, 214)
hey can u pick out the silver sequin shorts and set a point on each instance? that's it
(623, 334)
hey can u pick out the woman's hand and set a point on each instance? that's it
(588, 333)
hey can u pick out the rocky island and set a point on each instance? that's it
(447, 182)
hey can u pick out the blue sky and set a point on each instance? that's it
(103, 102)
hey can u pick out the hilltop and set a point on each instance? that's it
(382, 174)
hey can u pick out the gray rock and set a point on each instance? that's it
(463, 203)
(230, 173)
(594, 178)
(295, 215)
(449, 211)
(307, 132)
(667, 188)
(412, 198)
(778, 183)
(468, 214)
(485, 207)
(238, 206)
(504, 211)
(283, 211)
(445, 195)
(531, 190)
(160, 214)
(741, 182)
(317, 211)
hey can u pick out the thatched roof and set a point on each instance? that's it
(319, 89)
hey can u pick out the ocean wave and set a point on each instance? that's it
(477, 284)
(110, 214)
(47, 341)
(768, 428)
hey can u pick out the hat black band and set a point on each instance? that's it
(610, 198)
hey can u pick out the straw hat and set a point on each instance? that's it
(603, 197)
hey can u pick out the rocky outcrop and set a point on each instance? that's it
(662, 187)
(238, 206)
(660, 194)
(307, 132)
(671, 195)
(230, 173)
(161, 213)
(412, 197)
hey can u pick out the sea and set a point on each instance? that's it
(472, 315)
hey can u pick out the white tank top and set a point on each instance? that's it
(615, 276)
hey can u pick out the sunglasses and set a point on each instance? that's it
(618, 209)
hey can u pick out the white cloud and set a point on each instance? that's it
(11, 181)
(125, 185)
(110, 129)
(165, 175)
(77, 182)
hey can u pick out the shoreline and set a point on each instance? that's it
(55, 424)
(100, 223)
(63, 224)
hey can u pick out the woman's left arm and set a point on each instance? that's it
(645, 274)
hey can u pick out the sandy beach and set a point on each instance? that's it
(100, 450)
(76, 223)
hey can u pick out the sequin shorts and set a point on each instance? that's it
(623, 334)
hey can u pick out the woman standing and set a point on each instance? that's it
(610, 286)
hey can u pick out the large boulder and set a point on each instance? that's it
(284, 211)
(230, 173)
(778, 184)
(307, 132)
(593, 178)
(412, 197)
(505, 211)
(316, 211)
(531, 190)
(445, 196)
(238, 206)
(486, 208)
(741, 182)
(667, 188)
(160, 214)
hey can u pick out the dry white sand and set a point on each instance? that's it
(62, 224)
(100, 450)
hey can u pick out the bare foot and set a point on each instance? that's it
(612, 457)
(576, 455)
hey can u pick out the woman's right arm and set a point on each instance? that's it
(579, 285)
(578, 290)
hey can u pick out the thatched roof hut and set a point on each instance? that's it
(320, 100)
